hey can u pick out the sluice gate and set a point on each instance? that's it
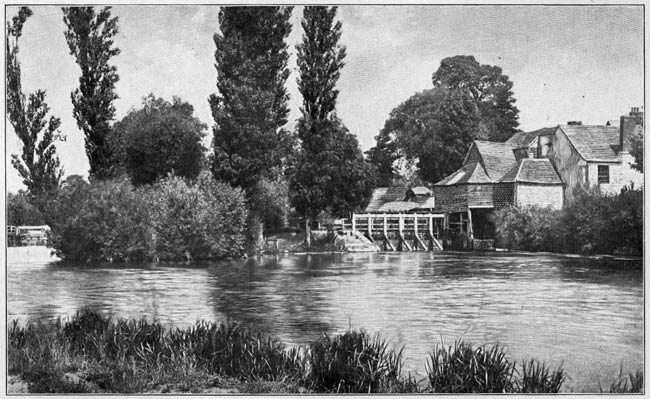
(402, 232)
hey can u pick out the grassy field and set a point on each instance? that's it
(90, 353)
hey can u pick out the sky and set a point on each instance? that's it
(566, 62)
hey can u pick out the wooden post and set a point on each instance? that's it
(370, 227)
(354, 222)
(470, 229)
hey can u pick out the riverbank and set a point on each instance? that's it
(90, 353)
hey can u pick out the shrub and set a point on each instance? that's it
(113, 221)
(592, 223)
(103, 221)
(200, 221)
(529, 228)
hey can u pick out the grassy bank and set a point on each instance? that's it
(95, 354)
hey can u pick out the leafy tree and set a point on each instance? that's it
(469, 101)
(38, 164)
(636, 150)
(383, 157)
(488, 88)
(330, 171)
(21, 212)
(434, 127)
(161, 138)
(249, 143)
(90, 39)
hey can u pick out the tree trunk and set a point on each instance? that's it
(308, 232)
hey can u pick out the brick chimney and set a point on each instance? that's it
(628, 124)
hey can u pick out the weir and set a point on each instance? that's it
(402, 231)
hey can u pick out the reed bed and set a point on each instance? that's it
(91, 353)
(463, 368)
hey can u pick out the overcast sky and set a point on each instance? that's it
(567, 62)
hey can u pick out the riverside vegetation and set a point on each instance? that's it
(174, 218)
(593, 223)
(96, 354)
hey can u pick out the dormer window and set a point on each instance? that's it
(603, 174)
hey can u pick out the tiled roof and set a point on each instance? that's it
(468, 173)
(594, 143)
(533, 170)
(382, 195)
(498, 158)
(524, 139)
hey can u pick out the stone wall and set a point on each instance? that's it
(620, 175)
(540, 195)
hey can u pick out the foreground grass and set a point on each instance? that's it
(91, 353)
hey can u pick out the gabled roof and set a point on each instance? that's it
(594, 143)
(498, 158)
(382, 195)
(533, 170)
(468, 173)
(524, 139)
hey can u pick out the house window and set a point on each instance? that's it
(603, 174)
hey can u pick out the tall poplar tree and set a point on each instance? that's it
(90, 37)
(329, 171)
(38, 164)
(249, 143)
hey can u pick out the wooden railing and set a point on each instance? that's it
(402, 231)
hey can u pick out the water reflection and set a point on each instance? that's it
(586, 313)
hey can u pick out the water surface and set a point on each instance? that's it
(585, 313)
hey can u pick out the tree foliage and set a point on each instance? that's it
(104, 221)
(469, 101)
(488, 88)
(434, 127)
(636, 150)
(204, 220)
(160, 138)
(38, 165)
(251, 108)
(383, 157)
(329, 170)
(90, 37)
(21, 212)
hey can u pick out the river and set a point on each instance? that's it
(585, 314)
